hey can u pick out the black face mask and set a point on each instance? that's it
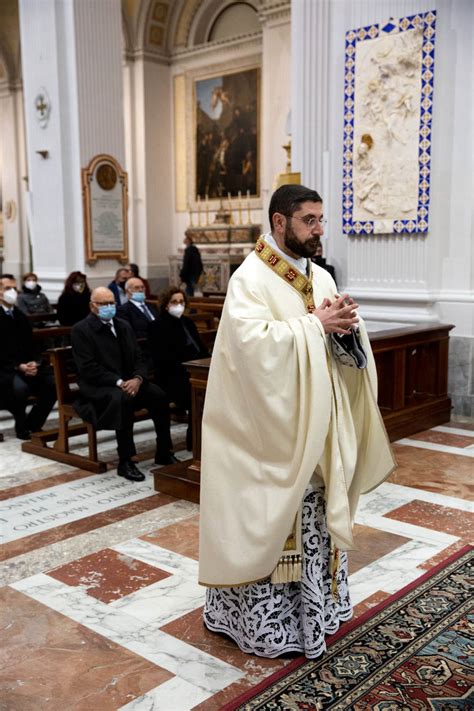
(122, 283)
(320, 261)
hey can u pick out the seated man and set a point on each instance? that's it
(138, 314)
(135, 272)
(112, 382)
(22, 373)
(117, 286)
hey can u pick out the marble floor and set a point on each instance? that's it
(100, 606)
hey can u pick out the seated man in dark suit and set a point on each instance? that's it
(112, 382)
(22, 373)
(138, 314)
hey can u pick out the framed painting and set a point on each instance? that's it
(388, 105)
(227, 135)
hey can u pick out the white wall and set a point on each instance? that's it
(409, 277)
(73, 50)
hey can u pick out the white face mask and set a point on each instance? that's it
(10, 296)
(30, 284)
(79, 287)
(176, 310)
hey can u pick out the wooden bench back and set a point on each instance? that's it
(65, 374)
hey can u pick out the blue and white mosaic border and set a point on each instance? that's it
(428, 22)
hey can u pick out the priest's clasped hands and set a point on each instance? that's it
(338, 316)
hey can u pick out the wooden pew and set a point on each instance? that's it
(47, 316)
(412, 369)
(67, 392)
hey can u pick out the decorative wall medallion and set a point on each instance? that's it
(388, 105)
(43, 107)
(106, 176)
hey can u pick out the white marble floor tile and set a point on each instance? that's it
(65, 551)
(454, 430)
(173, 695)
(435, 447)
(393, 571)
(159, 557)
(13, 461)
(41, 510)
(146, 640)
(388, 497)
(164, 601)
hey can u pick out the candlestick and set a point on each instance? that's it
(240, 207)
(207, 210)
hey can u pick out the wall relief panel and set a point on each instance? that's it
(388, 100)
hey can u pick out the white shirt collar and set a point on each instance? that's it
(299, 264)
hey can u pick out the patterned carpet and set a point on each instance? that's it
(412, 652)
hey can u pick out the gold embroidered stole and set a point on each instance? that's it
(288, 568)
(291, 275)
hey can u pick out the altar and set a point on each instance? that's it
(223, 245)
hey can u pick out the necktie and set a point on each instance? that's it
(147, 312)
(111, 326)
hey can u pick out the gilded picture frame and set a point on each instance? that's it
(226, 131)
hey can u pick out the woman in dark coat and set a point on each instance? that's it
(32, 300)
(173, 339)
(73, 304)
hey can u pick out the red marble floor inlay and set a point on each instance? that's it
(370, 602)
(181, 537)
(51, 663)
(440, 472)
(437, 517)
(83, 525)
(108, 575)
(447, 438)
(371, 545)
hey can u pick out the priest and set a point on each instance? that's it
(291, 437)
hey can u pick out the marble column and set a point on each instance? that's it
(275, 19)
(72, 58)
(12, 148)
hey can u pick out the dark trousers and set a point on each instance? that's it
(155, 401)
(15, 399)
(178, 390)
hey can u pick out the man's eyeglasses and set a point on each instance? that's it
(104, 303)
(310, 220)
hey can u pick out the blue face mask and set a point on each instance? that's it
(139, 296)
(107, 312)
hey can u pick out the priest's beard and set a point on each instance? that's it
(302, 249)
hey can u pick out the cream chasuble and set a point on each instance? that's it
(278, 405)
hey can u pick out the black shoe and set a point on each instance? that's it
(23, 434)
(129, 471)
(166, 458)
